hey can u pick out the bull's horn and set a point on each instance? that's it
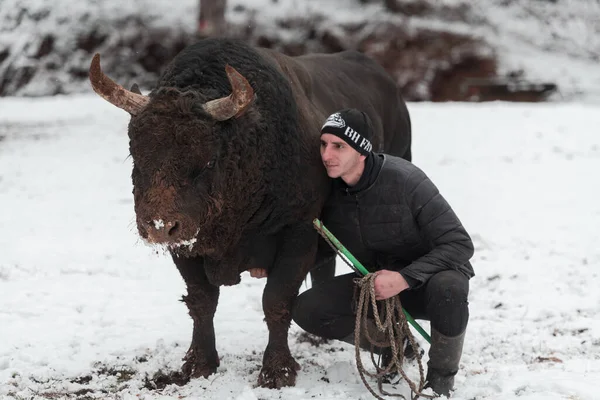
(236, 103)
(114, 93)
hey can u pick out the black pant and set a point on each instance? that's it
(328, 310)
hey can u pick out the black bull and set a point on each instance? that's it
(278, 235)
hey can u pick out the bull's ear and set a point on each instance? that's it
(135, 89)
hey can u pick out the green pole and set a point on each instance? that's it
(360, 268)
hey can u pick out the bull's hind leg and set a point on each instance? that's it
(294, 259)
(201, 359)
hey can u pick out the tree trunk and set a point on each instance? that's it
(211, 17)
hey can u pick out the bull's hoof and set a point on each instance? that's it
(192, 370)
(279, 375)
(197, 367)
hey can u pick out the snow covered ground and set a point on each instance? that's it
(88, 311)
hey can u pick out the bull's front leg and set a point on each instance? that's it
(295, 257)
(201, 360)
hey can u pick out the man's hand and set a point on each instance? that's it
(258, 272)
(388, 284)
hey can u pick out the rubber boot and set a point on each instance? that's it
(444, 357)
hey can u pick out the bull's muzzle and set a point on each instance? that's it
(159, 231)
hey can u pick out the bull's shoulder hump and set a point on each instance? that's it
(282, 61)
(291, 67)
(346, 56)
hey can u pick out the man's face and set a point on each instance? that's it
(340, 160)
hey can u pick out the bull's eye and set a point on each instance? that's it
(210, 164)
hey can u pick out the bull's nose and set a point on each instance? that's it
(160, 231)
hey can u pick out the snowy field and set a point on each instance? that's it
(88, 311)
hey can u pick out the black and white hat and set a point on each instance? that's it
(353, 126)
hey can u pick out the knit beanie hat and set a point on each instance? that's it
(353, 126)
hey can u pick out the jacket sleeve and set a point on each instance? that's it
(450, 244)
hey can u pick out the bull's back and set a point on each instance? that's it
(351, 79)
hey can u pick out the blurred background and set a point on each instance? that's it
(437, 50)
